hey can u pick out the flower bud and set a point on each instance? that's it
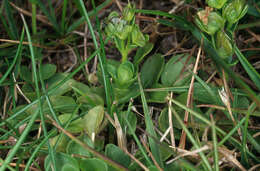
(123, 30)
(125, 73)
(235, 11)
(138, 38)
(129, 12)
(223, 45)
(209, 22)
(216, 3)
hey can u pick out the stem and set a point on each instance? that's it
(124, 55)
(34, 27)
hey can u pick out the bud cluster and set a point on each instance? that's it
(213, 19)
(124, 32)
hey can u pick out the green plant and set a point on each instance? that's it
(124, 32)
(213, 24)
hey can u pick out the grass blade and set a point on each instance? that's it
(253, 74)
(101, 58)
(193, 141)
(11, 21)
(18, 54)
(215, 144)
(150, 128)
(33, 117)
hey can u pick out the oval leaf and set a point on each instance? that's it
(47, 71)
(93, 120)
(151, 70)
(93, 164)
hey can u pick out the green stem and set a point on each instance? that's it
(34, 27)
(63, 16)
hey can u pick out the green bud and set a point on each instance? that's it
(209, 22)
(138, 38)
(223, 45)
(129, 12)
(235, 10)
(125, 73)
(123, 30)
(112, 15)
(216, 3)
(110, 30)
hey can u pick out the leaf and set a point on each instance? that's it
(93, 120)
(151, 70)
(174, 70)
(80, 88)
(63, 104)
(76, 126)
(68, 167)
(116, 154)
(26, 74)
(142, 52)
(47, 71)
(61, 146)
(164, 121)
(93, 164)
(55, 80)
(75, 148)
(131, 118)
(202, 94)
(91, 99)
(61, 159)
(157, 96)
(153, 168)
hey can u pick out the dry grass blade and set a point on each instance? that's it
(228, 156)
(121, 139)
(41, 18)
(170, 121)
(189, 99)
(189, 153)
(22, 166)
(150, 154)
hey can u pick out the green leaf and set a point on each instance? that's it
(26, 74)
(93, 120)
(157, 96)
(174, 72)
(153, 168)
(91, 99)
(75, 148)
(63, 104)
(76, 126)
(125, 74)
(61, 159)
(69, 167)
(151, 70)
(93, 164)
(130, 117)
(55, 80)
(47, 71)
(61, 146)
(142, 52)
(116, 154)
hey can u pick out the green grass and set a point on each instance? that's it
(36, 98)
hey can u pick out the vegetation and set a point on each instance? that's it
(122, 85)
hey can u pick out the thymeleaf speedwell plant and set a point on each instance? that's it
(219, 20)
(122, 30)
